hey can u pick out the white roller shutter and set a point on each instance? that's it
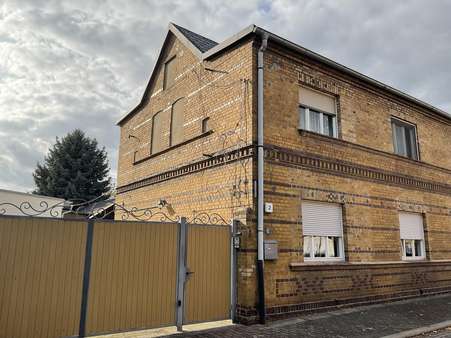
(411, 226)
(321, 219)
(314, 99)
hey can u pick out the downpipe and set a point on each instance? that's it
(260, 179)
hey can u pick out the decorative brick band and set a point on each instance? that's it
(370, 228)
(297, 159)
(370, 251)
(215, 161)
(248, 315)
(328, 195)
(291, 158)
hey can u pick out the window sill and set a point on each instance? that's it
(414, 259)
(343, 265)
(407, 158)
(308, 132)
(321, 262)
(172, 147)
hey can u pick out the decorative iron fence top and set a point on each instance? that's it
(206, 218)
(104, 209)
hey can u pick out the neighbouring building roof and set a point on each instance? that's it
(96, 207)
(205, 48)
(23, 204)
(4, 192)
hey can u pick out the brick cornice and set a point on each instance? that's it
(191, 168)
(297, 159)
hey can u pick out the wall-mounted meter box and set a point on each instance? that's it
(271, 250)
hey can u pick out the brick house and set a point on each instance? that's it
(355, 176)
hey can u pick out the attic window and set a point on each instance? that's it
(169, 73)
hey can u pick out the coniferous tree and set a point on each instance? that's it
(75, 169)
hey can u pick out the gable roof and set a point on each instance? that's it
(205, 48)
(196, 43)
(200, 42)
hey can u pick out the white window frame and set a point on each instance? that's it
(414, 257)
(405, 124)
(321, 120)
(420, 238)
(341, 257)
(328, 258)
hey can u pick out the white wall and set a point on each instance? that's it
(22, 204)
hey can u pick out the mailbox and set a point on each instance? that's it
(271, 250)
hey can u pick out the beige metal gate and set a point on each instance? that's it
(133, 276)
(208, 291)
(71, 278)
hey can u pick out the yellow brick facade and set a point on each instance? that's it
(214, 172)
(223, 94)
(360, 171)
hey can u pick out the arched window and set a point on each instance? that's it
(157, 143)
(177, 121)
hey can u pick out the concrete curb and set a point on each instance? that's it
(421, 330)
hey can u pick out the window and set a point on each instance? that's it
(169, 73)
(322, 231)
(412, 236)
(317, 112)
(157, 137)
(177, 121)
(404, 139)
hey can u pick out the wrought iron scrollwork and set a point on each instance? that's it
(206, 218)
(97, 208)
(27, 209)
(103, 208)
(144, 214)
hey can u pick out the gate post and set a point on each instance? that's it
(181, 273)
(234, 245)
(86, 279)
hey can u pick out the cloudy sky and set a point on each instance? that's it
(84, 63)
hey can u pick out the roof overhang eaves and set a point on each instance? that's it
(228, 42)
(351, 72)
(315, 56)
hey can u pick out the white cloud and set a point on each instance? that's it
(67, 64)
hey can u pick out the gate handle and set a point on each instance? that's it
(188, 273)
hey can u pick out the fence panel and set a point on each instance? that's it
(133, 276)
(130, 276)
(41, 272)
(208, 287)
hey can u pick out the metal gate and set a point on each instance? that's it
(61, 278)
(207, 289)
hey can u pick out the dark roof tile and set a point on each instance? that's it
(201, 42)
